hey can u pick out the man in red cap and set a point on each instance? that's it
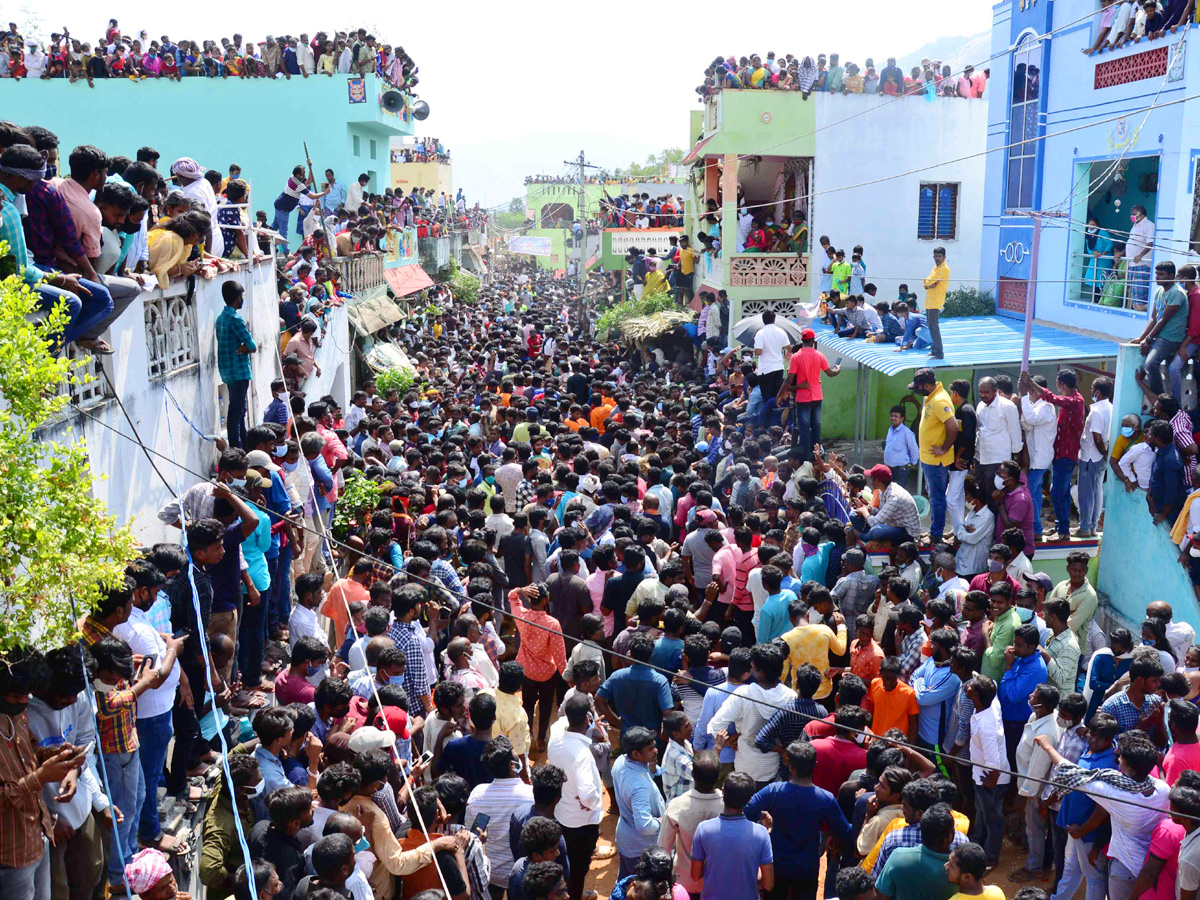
(804, 378)
(896, 521)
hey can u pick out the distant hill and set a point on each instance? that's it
(954, 52)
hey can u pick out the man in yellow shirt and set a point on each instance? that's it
(938, 429)
(814, 642)
(935, 299)
(687, 267)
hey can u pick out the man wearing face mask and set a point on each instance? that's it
(1024, 670)
(219, 853)
(1012, 503)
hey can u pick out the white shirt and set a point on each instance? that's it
(1131, 825)
(745, 220)
(1141, 236)
(1032, 760)
(303, 622)
(141, 637)
(304, 56)
(582, 800)
(748, 715)
(758, 593)
(1135, 464)
(987, 744)
(344, 60)
(1039, 420)
(1188, 877)
(499, 800)
(1019, 566)
(354, 196)
(201, 190)
(1099, 418)
(999, 436)
(771, 339)
(355, 416)
(1180, 635)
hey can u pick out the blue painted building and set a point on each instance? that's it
(258, 123)
(1073, 136)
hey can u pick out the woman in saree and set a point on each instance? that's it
(1113, 292)
(1098, 244)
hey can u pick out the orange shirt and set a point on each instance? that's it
(599, 416)
(892, 708)
(335, 606)
(576, 424)
(864, 661)
(504, 398)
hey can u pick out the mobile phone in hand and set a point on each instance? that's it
(480, 823)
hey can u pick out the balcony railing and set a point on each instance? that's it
(768, 270)
(170, 330)
(1110, 282)
(359, 274)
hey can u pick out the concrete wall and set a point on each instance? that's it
(1086, 124)
(886, 138)
(124, 477)
(1138, 560)
(433, 176)
(217, 122)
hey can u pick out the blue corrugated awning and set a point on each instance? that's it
(970, 342)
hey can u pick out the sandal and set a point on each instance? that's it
(1022, 875)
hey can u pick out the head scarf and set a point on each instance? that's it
(599, 521)
(806, 75)
(148, 868)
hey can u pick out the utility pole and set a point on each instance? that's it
(580, 210)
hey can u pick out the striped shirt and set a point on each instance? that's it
(499, 800)
(23, 815)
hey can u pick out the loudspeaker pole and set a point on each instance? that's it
(581, 208)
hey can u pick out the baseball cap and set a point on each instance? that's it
(808, 335)
(372, 738)
(258, 459)
(707, 518)
(396, 720)
(879, 471)
(1040, 578)
(923, 376)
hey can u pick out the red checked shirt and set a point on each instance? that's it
(1072, 410)
(542, 652)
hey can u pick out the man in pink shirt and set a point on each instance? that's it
(1184, 754)
(334, 451)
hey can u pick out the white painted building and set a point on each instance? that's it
(165, 348)
(862, 139)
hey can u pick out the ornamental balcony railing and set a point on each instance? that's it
(768, 270)
(360, 274)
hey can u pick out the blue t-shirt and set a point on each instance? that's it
(464, 756)
(639, 695)
(732, 849)
(807, 809)
(668, 653)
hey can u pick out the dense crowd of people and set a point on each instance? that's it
(1124, 22)
(423, 150)
(137, 57)
(593, 581)
(642, 211)
(830, 76)
(603, 178)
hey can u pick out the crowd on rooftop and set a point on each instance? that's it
(597, 179)
(642, 211)
(1125, 22)
(137, 57)
(602, 580)
(95, 232)
(792, 73)
(424, 150)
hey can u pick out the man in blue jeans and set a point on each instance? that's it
(87, 303)
(936, 435)
(1167, 326)
(896, 521)
(154, 727)
(234, 346)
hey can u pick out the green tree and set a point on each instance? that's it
(516, 205)
(60, 543)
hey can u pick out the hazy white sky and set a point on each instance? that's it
(516, 88)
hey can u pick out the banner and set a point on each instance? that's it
(532, 246)
(622, 240)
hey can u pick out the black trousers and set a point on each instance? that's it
(581, 844)
(543, 694)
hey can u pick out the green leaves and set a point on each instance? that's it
(358, 500)
(58, 543)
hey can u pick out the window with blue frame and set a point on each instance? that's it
(1025, 150)
(937, 212)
